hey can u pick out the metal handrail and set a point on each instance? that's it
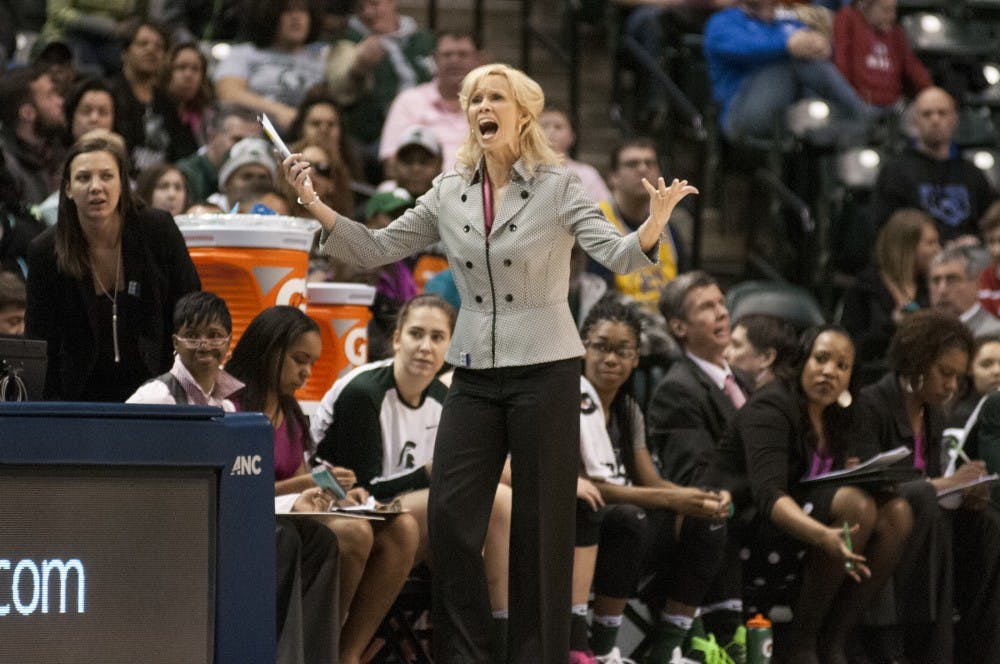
(477, 18)
(569, 58)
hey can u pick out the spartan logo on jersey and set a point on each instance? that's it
(587, 405)
(406, 455)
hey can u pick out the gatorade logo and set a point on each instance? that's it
(356, 346)
(767, 648)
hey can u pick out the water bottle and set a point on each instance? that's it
(760, 643)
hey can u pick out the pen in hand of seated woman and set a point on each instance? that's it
(836, 543)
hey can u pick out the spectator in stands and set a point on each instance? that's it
(103, 282)
(262, 198)
(559, 130)
(250, 161)
(56, 58)
(274, 358)
(164, 188)
(929, 355)
(871, 51)
(954, 288)
(186, 81)
(146, 116)
(756, 343)
(394, 283)
(90, 105)
(656, 26)
(12, 299)
(760, 64)
(318, 121)
(18, 226)
(434, 104)
(417, 162)
(989, 278)
(381, 54)
(982, 379)
(931, 175)
(799, 427)
(885, 292)
(692, 406)
(31, 132)
(93, 30)
(229, 125)
(649, 525)
(632, 161)
(195, 20)
(274, 71)
(331, 181)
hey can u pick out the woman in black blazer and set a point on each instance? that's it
(508, 217)
(928, 357)
(792, 429)
(102, 283)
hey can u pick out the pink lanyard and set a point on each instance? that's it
(487, 202)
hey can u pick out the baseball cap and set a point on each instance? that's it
(422, 136)
(248, 151)
(387, 202)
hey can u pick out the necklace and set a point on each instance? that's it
(114, 303)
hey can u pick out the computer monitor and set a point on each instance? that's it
(136, 534)
(22, 368)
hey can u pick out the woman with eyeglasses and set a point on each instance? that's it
(648, 525)
(202, 331)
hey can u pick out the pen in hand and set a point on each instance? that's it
(849, 564)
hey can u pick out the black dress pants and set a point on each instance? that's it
(308, 586)
(532, 412)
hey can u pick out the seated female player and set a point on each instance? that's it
(381, 420)
(274, 358)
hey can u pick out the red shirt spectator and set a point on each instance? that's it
(871, 51)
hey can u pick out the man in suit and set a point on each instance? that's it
(700, 394)
(690, 409)
(954, 288)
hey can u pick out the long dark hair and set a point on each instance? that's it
(259, 358)
(623, 407)
(838, 422)
(71, 245)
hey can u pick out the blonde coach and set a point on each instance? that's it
(508, 215)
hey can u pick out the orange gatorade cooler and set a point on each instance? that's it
(252, 261)
(342, 313)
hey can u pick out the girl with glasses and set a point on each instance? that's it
(647, 525)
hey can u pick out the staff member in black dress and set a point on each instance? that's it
(508, 216)
(102, 283)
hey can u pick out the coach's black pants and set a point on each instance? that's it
(533, 412)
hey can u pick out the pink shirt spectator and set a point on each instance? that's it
(879, 65)
(593, 183)
(423, 105)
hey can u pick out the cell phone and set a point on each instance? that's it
(324, 478)
(272, 135)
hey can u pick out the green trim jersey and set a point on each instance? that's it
(363, 424)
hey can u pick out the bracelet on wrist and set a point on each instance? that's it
(314, 200)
